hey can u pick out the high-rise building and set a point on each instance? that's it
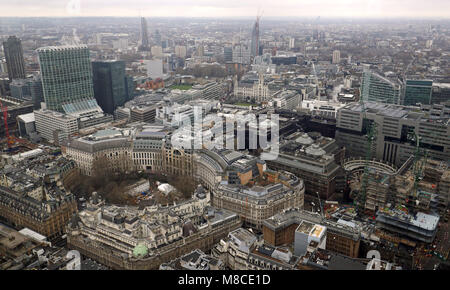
(417, 91)
(144, 35)
(255, 38)
(66, 75)
(180, 51)
(336, 57)
(109, 84)
(228, 54)
(157, 51)
(14, 58)
(157, 38)
(291, 43)
(379, 89)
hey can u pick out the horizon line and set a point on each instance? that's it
(234, 17)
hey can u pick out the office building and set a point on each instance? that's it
(55, 126)
(376, 88)
(441, 93)
(66, 75)
(313, 158)
(417, 92)
(110, 84)
(284, 228)
(228, 54)
(180, 51)
(157, 51)
(395, 125)
(13, 50)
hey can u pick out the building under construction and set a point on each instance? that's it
(426, 190)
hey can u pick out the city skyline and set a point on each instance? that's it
(231, 9)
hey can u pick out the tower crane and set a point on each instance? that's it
(10, 139)
(360, 200)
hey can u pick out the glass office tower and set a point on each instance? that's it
(66, 75)
(417, 91)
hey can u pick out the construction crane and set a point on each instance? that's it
(360, 200)
(9, 138)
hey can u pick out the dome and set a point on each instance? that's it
(140, 251)
(315, 150)
(304, 140)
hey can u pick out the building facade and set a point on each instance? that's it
(66, 75)
(15, 63)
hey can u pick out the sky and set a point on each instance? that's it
(228, 8)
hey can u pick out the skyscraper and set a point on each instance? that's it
(255, 38)
(417, 91)
(109, 84)
(144, 35)
(14, 58)
(66, 75)
(379, 89)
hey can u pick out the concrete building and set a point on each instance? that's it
(210, 91)
(281, 229)
(315, 159)
(154, 68)
(336, 57)
(54, 126)
(394, 127)
(180, 51)
(420, 227)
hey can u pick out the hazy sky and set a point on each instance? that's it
(228, 8)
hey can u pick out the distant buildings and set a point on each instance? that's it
(376, 88)
(12, 48)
